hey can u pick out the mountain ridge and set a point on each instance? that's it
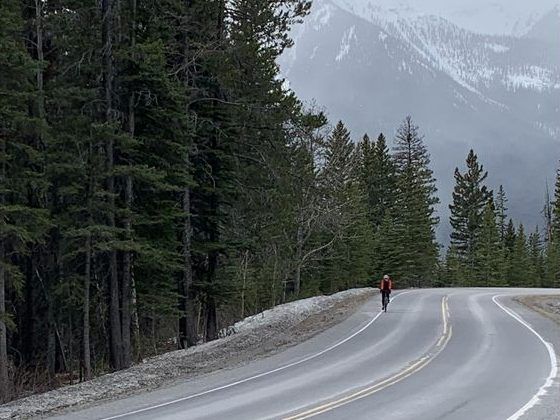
(496, 93)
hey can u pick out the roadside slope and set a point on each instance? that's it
(253, 338)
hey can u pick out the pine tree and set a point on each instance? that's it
(415, 203)
(501, 212)
(547, 214)
(340, 159)
(519, 263)
(536, 259)
(349, 225)
(470, 198)
(556, 211)
(454, 271)
(378, 178)
(23, 221)
(510, 236)
(389, 248)
(488, 253)
(552, 264)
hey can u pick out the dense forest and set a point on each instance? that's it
(158, 182)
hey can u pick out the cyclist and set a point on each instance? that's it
(385, 288)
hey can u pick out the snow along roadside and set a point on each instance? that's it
(255, 337)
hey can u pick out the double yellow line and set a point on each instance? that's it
(379, 386)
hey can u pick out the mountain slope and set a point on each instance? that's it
(497, 93)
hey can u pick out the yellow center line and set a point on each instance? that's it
(379, 386)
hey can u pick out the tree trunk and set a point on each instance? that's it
(28, 330)
(211, 319)
(299, 261)
(211, 307)
(187, 321)
(213, 255)
(245, 267)
(127, 280)
(188, 325)
(114, 313)
(51, 345)
(86, 328)
(129, 197)
(135, 322)
(5, 388)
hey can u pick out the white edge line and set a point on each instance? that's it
(553, 363)
(260, 375)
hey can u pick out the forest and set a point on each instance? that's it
(159, 181)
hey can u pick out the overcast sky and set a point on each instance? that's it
(485, 16)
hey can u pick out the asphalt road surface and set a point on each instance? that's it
(436, 354)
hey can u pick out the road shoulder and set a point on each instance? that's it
(541, 313)
(548, 306)
(254, 338)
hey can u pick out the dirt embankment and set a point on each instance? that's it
(548, 306)
(253, 338)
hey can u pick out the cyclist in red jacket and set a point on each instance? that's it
(385, 288)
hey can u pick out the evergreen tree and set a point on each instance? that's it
(23, 220)
(536, 259)
(415, 201)
(552, 258)
(501, 212)
(556, 211)
(488, 253)
(519, 263)
(510, 236)
(454, 271)
(378, 178)
(340, 159)
(389, 248)
(349, 225)
(470, 198)
(547, 213)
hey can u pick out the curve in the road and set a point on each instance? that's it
(258, 376)
(381, 385)
(553, 362)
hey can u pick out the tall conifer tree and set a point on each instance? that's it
(415, 201)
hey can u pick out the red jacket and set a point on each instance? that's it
(382, 285)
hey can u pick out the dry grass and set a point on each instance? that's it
(548, 306)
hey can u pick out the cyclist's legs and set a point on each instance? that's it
(383, 294)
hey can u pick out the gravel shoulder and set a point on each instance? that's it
(548, 306)
(256, 337)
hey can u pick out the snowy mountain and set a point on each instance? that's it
(498, 17)
(486, 77)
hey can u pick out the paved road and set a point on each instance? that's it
(437, 354)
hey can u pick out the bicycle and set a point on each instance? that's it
(385, 302)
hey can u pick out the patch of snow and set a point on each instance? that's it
(322, 16)
(296, 311)
(534, 77)
(314, 53)
(553, 132)
(498, 48)
(254, 337)
(348, 37)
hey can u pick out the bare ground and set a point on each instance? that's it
(254, 338)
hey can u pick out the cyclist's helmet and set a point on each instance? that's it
(386, 277)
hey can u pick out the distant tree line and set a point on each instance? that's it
(487, 248)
